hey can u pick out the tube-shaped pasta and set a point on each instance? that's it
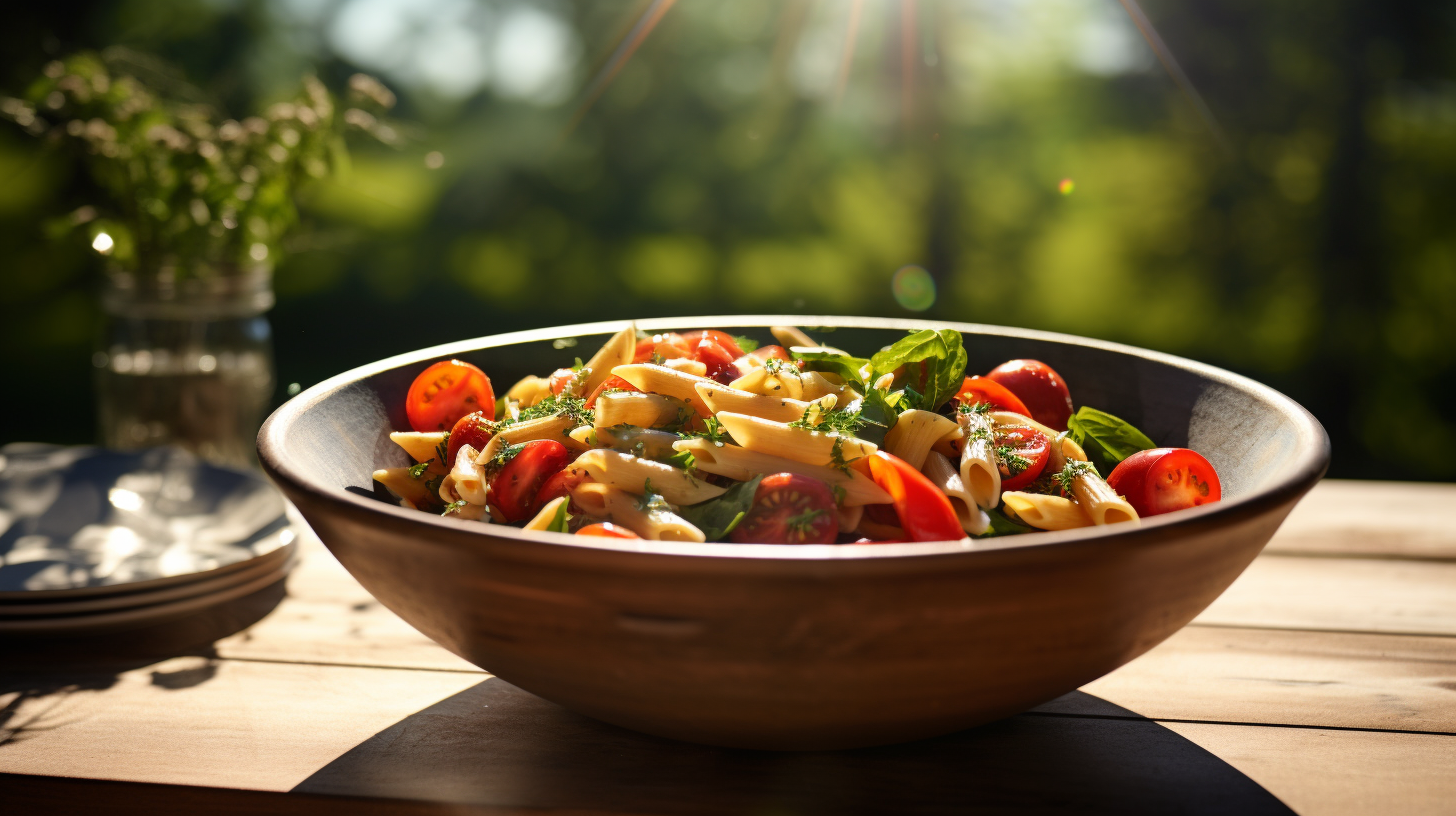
(849, 516)
(979, 473)
(547, 514)
(618, 350)
(780, 383)
(1072, 449)
(944, 475)
(469, 477)
(1100, 502)
(799, 444)
(642, 410)
(789, 336)
(630, 473)
(779, 409)
(742, 464)
(529, 390)
(1045, 512)
(620, 507)
(470, 512)
(644, 442)
(915, 433)
(656, 379)
(687, 366)
(555, 427)
(422, 447)
(816, 385)
(412, 492)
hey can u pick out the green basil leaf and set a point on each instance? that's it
(1001, 524)
(717, 517)
(845, 366)
(558, 522)
(877, 416)
(941, 352)
(745, 344)
(1107, 439)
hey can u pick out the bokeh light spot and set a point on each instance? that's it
(102, 243)
(913, 288)
(1066, 186)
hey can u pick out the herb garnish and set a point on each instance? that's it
(831, 422)
(573, 408)
(836, 457)
(1012, 461)
(839, 493)
(803, 523)
(981, 408)
(712, 431)
(1071, 471)
(442, 451)
(503, 457)
(416, 471)
(652, 501)
(452, 507)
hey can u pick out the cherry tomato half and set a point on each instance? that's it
(667, 345)
(925, 513)
(980, 389)
(790, 509)
(1162, 480)
(1029, 451)
(560, 378)
(723, 340)
(446, 391)
(472, 430)
(771, 353)
(513, 491)
(612, 383)
(606, 529)
(559, 484)
(1041, 388)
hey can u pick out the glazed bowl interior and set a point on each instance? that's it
(1259, 441)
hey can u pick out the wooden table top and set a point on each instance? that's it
(1322, 682)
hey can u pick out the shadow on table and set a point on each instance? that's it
(494, 744)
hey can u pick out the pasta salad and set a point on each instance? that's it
(704, 436)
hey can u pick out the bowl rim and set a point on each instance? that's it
(1312, 452)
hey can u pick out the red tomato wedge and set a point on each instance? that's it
(1028, 450)
(667, 345)
(980, 389)
(1042, 390)
(1162, 480)
(446, 391)
(612, 383)
(513, 491)
(559, 484)
(471, 429)
(723, 340)
(790, 509)
(606, 529)
(925, 513)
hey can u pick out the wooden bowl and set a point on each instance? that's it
(803, 647)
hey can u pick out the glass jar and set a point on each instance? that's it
(186, 362)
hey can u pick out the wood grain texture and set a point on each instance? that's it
(1297, 678)
(1378, 519)
(1340, 594)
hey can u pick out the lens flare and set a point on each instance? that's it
(102, 243)
(913, 288)
(1066, 186)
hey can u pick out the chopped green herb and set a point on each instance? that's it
(978, 408)
(453, 507)
(803, 523)
(839, 493)
(652, 501)
(416, 471)
(1012, 461)
(712, 431)
(503, 457)
(833, 422)
(836, 457)
(656, 359)
(684, 460)
(442, 451)
(571, 407)
(1071, 471)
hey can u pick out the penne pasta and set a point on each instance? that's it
(644, 442)
(631, 473)
(849, 515)
(422, 447)
(547, 514)
(742, 464)
(944, 475)
(529, 390)
(1045, 512)
(790, 336)
(1100, 502)
(641, 410)
(620, 507)
(549, 427)
(719, 398)
(618, 350)
(468, 477)
(411, 491)
(1072, 449)
(915, 433)
(656, 379)
(978, 469)
(687, 366)
(799, 444)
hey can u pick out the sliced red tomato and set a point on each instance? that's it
(724, 340)
(606, 529)
(1028, 452)
(790, 509)
(979, 389)
(513, 491)
(771, 353)
(560, 378)
(667, 345)
(1041, 388)
(612, 383)
(446, 391)
(925, 513)
(473, 430)
(1162, 480)
(718, 360)
(559, 484)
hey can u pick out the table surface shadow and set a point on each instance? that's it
(496, 745)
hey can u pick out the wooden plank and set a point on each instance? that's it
(199, 721)
(1338, 773)
(1268, 676)
(1340, 594)
(1381, 519)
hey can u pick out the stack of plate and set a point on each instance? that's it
(93, 540)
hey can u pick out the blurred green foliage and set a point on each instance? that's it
(739, 163)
